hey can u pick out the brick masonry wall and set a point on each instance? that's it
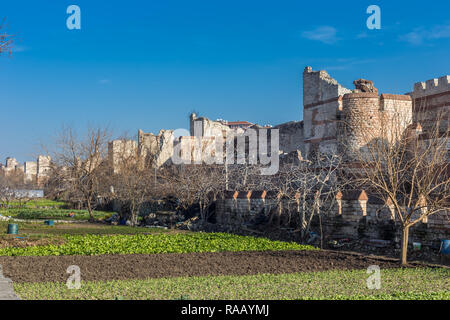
(157, 149)
(367, 116)
(432, 100)
(291, 136)
(353, 216)
(361, 120)
(322, 102)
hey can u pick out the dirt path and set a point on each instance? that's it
(110, 267)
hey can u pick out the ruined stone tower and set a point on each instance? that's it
(322, 105)
(334, 116)
(367, 116)
(155, 149)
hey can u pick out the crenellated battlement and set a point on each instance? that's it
(326, 103)
(431, 86)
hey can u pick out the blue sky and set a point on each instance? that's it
(147, 65)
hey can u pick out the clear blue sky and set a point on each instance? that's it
(147, 64)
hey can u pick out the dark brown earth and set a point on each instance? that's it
(136, 266)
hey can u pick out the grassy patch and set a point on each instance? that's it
(403, 284)
(57, 214)
(39, 203)
(29, 229)
(39, 234)
(149, 244)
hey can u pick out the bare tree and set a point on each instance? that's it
(10, 183)
(6, 39)
(312, 186)
(408, 167)
(132, 184)
(245, 177)
(78, 167)
(196, 184)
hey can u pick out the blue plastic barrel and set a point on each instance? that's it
(445, 246)
(50, 223)
(13, 228)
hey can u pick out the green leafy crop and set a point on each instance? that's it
(157, 243)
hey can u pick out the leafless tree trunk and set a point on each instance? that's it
(133, 183)
(196, 184)
(9, 185)
(407, 166)
(6, 39)
(79, 167)
(312, 185)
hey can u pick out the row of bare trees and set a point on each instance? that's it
(82, 173)
(398, 163)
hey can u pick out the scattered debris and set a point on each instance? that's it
(312, 238)
(190, 224)
(169, 219)
(114, 219)
(378, 243)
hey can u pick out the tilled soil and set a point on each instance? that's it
(140, 266)
(18, 242)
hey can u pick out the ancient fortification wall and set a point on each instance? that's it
(360, 120)
(30, 170)
(121, 150)
(197, 149)
(431, 100)
(322, 104)
(354, 215)
(367, 116)
(334, 115)
(33, 172)
(206, 127)
(291, 136)
(155, 149)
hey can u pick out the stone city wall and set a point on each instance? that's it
(322, 104)
(431, 100)
(353, 215)
(291, 136)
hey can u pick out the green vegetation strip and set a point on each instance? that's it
(77, 228)
(149, 244)
(403, 284)
(59, 214)
(38, 203)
